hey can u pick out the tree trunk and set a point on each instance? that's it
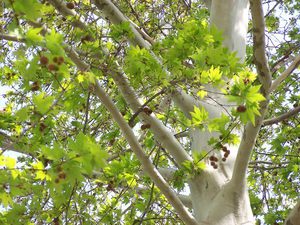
(215, 199)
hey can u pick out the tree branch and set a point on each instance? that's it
(7, 144)
(135, 146)
(162, 133)
(246, 146)
(186, 200)
(11, 38)
(251, 131)
(62, 8)
(294, 216)
(282, 117)
(259, 45)
(143, 158)
(285, 74)
(116, 16)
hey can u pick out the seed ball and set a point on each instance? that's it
(224, 149)
(145, 126)
(55, 59)
(70, 5)
(147, 110)
(246, 81)
(212, 163)
(35, 86)
(211, 158)
(223, 159)
(44, 60)
(62, 175)
(215, 166)
(241, 108)
(43, 126)
(52, 67)
(226, 154)
(61, 59)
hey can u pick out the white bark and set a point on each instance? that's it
(218, 195)
(286, 73)
(143, 158)
(294, 216)
(231, 16)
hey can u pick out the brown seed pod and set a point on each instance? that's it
(211, 158)
(241, 108)
(223, 159)
(44, 60)
(212, 163)
(62, 175)
(61, 59)
(147, 110)
(145, 126)
(52, 67)
(70, 5)
(224, 148)
(56, 180)
(43, 126)
(226, 154)
(215, 166)
(246, 81)
(35, 86)
(86, 38)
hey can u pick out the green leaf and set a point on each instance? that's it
(199, 116)
(23, 114)
(33, 35)
(53, 43)
(43, 102)
(5, 199)
(31, 8)
(202, 93)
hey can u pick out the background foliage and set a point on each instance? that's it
(75, 167)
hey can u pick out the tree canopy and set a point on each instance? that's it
(95, 127)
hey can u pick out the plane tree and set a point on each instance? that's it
(149, 112)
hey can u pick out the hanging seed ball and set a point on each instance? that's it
(215, 166)
(62, 175)
(44, 60)
(212, 163)
(145, 126)
(213, 158)
(224, 148)
(226, 154)
(223, 159)
(241, 108)
(246, 81)
(35, 86)
(61, 59)
(147, 110)
(52, 67)
(70, 5)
